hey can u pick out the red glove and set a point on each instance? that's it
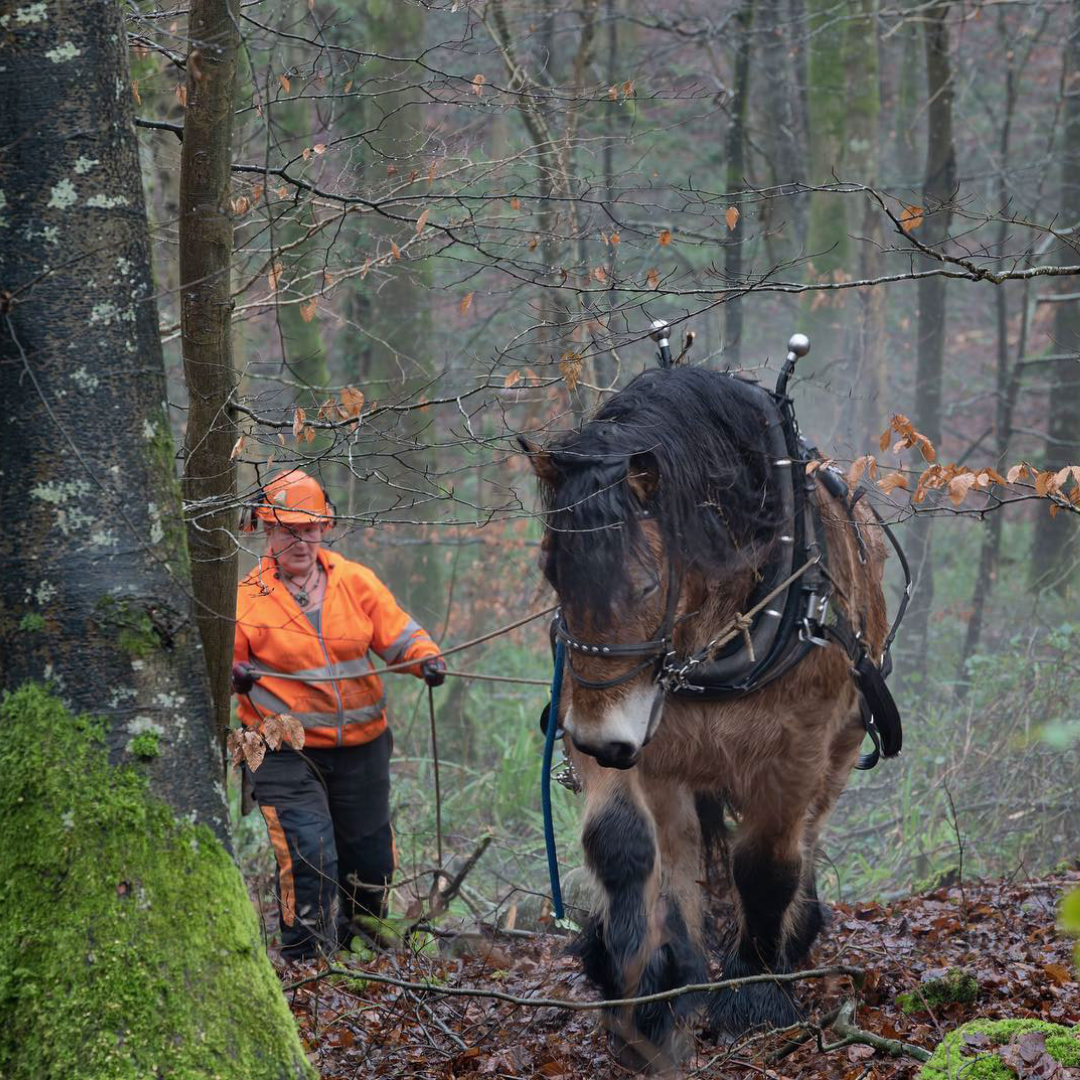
(434, 671)
(243, 678)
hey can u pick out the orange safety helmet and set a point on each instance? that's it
(291, 497)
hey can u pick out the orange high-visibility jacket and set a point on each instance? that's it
(358, 614)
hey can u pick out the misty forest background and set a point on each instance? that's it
(469, 213)
(453, 223)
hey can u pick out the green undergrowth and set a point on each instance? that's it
(954, 1059)
(129, 948)
(955, 986)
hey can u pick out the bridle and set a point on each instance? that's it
(658, 651)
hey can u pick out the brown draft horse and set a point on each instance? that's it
(664, 509)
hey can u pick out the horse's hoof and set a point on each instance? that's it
(642, 1056)
(753, 1007)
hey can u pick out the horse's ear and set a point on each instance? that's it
(643, 477)
(540, 460)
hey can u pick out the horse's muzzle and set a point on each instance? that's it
(611, 755)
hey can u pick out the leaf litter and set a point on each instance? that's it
(1003, 934)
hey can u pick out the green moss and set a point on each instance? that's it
(136, 633)
(145, 745)
(954, 986)
(953, 1060)
(129, 947)
(32, 622)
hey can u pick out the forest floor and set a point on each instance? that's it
(1003, 933)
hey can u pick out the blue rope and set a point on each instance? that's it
(545, 785)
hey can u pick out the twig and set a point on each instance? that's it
(582, 1006)
(442, 897)
(438, 789)
(853, 1036)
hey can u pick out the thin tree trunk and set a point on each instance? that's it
(206, 241)
(132, 949)
(1056, 548)
(736, 177)
(938, 189)
(1005, 383)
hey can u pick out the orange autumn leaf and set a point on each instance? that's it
(911, 218)
(664, 238)
(396, 250)
(286, 85)
(307, 310)
(892, 480)
(512, 379)
(732, 217)
(478, 84)
(421, 221)
(273, 275)
(298, 422)
(465, 304)
(654, 277)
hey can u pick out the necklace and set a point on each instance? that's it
(301, 594)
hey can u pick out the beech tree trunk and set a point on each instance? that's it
(939, 187)
(1056, 549)
(736, 177)
(130, 946)
(206, 241)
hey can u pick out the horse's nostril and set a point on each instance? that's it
(611, 755)
(620, 751)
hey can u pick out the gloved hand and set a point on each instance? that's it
(434, 671)
(243, 678)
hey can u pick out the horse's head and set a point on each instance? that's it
(645, 505)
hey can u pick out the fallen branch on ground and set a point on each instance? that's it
(580, 1006)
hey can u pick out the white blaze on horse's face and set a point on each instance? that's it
(616, 732)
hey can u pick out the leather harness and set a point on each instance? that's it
(797, 617)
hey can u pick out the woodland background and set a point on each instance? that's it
(435, 227)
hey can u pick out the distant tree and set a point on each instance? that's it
(129, 945)
(1056, 550)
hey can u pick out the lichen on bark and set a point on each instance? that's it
(129, 946)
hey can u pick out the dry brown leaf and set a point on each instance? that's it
(1017, 472)
(319, 148)
(654, 278)
(731, 216)
(293, 731)
(478, 84)
(614, 238)
(600, 274)
(237, 449)
(395, 249)
(892, 480)
(911, 218)
(570, 365)
(286, 84)
(352, 400)
(533, 242)
(959, 486)
(181, 94)
(273, 275)
(308, 309)
(240, 205)
(866, 464)
(135, 91)
(512, 379)
(256, 193)
(465, 304)
(613, 92)
(664, 238)
(421, 221)
(298, 423)
(627, 88)
(306, 153)
(515, 203)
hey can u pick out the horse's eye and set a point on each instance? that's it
(648, 590)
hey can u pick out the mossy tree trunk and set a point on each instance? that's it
(206, 241)
(129, 946)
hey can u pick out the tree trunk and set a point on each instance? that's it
(1056, 548)
(206, 241)
(736, 177)
(132, 948)
(939, 187)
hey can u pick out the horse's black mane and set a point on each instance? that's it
(699, 439)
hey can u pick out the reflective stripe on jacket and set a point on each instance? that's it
(359, 616)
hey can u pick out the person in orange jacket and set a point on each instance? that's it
(308, 612)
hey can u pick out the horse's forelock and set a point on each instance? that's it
(689, 448)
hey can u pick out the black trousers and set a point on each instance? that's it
(330, 838)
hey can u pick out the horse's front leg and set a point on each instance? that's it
(767, 869)
(641, 845)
